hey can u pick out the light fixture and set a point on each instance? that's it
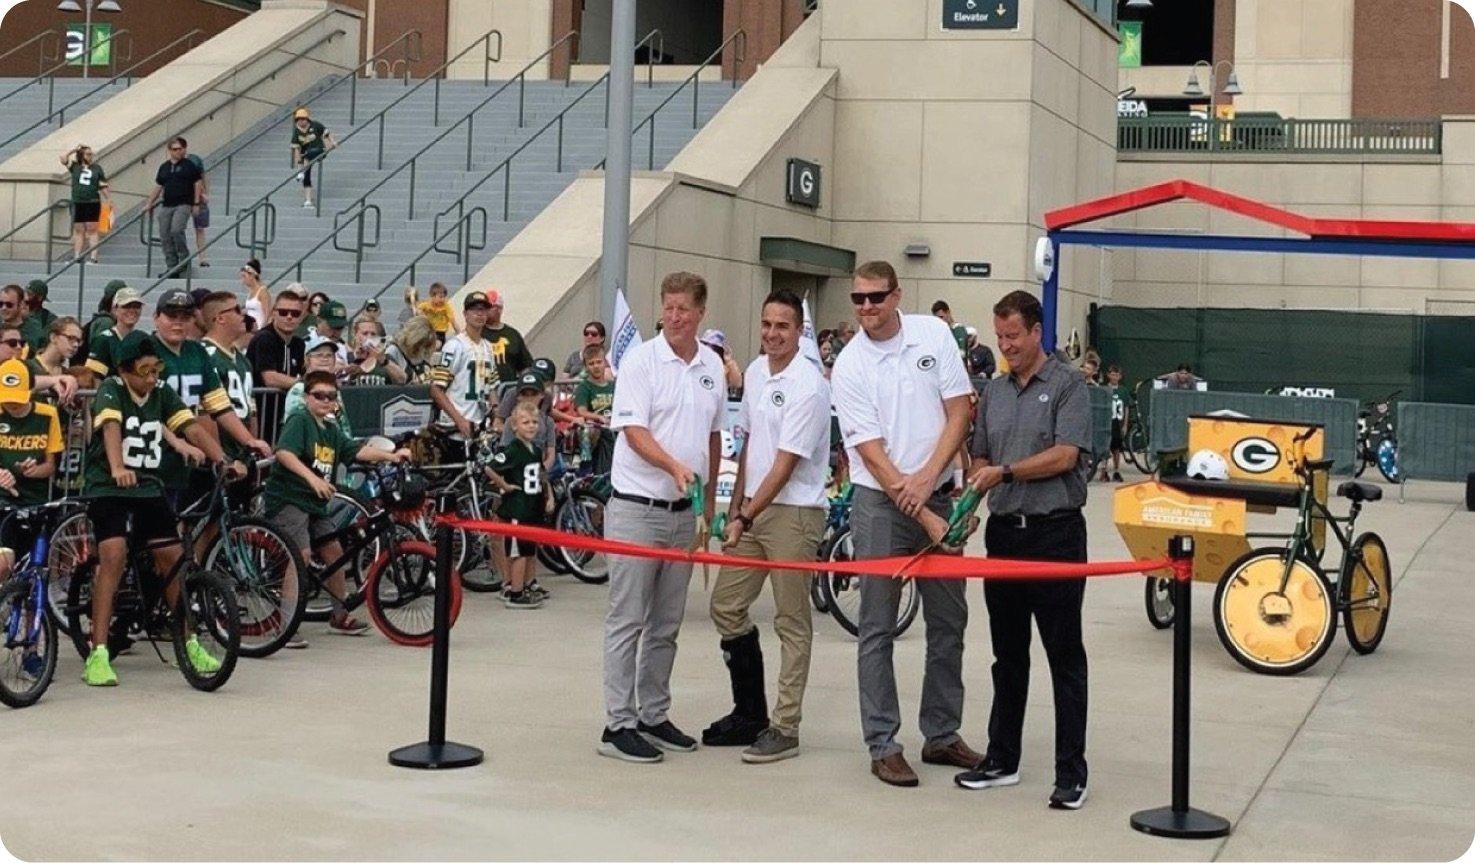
(1139, 4)
(1194, 89)
(69, 6)
(1232, 88)
(109, 6)
(918, 250)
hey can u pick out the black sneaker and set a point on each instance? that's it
(1068, 798)
(988, 775)
(628, 745)
(668, 736)
(536, 589)
(522, 600)
(1116, 477)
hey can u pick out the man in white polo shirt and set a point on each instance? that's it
(777, 513)
(669, 409)
(901, 394)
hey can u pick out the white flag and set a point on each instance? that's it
(808, 344)
(626, 333)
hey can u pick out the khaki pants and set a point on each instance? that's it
(780, 532)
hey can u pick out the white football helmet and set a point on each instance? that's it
(1207, 464)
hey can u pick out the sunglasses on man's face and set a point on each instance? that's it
(324, 395)
(6, 304)
(592, 334)
(875, 298)
(152, 371)
(290, 313)
(12, 343)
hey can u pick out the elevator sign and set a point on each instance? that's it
(980, 14)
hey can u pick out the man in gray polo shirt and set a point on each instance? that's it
(1030, 442)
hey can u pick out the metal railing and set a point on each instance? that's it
(1179, 133)
(462, 230)
(60, 114)
(739, 41)
(49, 75)
(42, 56)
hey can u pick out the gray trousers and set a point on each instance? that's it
(879, 529)
(173, 222)
(647, 600)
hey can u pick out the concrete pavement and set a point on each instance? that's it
(1358, 758)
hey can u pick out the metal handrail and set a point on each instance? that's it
(470, 120)
(408, 38)
(465, 247)
(50, 228)
(49, 75)
(1248, 133)
(741, 54)
(61, 113)
(42, 58)
(339, 224)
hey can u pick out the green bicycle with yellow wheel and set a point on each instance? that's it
(1276, 609)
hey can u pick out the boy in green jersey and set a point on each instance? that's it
(527, 498)
(593, 399)
(1120, 396)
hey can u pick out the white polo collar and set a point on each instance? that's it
(910, 336)
(667, 354)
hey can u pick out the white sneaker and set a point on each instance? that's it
(307, 205)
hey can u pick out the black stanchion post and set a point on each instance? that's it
(436, 753)
(1179, 820)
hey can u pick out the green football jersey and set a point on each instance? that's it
(191, 374)
(101, 349)
(234, 372)
(596, 398)
(521, 465)
(87, 182)
(32, 436)
(143, 436)
(320, 446)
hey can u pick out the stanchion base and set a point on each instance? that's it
(1192, 824)
(435, 756)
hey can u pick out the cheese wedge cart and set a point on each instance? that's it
(1276, 607)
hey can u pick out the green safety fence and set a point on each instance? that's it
(1436, 441)
(1100, 421)
(1168, 426)
(1357, 355)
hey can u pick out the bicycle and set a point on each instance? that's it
(398, 588)
(28, 659)
(471, 554)
(840, 592)
(1376, 442)
(1276, 609)
(581, 511)
(205, 613)
(1138, 446)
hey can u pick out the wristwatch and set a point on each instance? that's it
(1008, 474)
(746, 522)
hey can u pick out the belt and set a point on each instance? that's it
(1023, 521)
(668, 505)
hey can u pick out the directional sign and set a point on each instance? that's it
(980, 14)
(803, 184)
(972, 269)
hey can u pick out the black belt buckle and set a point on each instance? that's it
(1023, 520)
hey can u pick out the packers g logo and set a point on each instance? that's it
(10, 380)
(4, 428)
(1255, 455)
(927, 363)
(777, 398)
(707, 382)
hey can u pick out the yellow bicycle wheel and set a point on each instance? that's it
(1367, 592)
(1266, 630)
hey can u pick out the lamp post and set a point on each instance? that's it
(1195, 90)
(86, 7)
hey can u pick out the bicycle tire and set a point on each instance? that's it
(71, 544)
(344, 509)
(268, 618)
(587, 566)
(1365, 618)
(15, 597)
(1274, 646)
(1387, 455)
(206, 607)
(1158, 597)
(403, 578)
(478, 574)
(841, 592)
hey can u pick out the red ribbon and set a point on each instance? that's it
(925, 566)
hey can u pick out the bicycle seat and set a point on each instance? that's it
(1357, 492)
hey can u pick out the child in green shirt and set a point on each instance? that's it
(527, 498)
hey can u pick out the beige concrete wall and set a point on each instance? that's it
(525, 27)
(1295, 56)
(185, 97)
(1430, 188)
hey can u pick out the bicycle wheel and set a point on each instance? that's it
(583, 514)
(71, 544)
(817, 596)
(911, 603)
(1159, 600)
(400, 593)
(78, 608)
(206, 625)
(1388, 460)
(841, 592)
(1269, 631)
(475, 562)
(345, 510)
(266, 571)
(28, 654)
(1366, 592)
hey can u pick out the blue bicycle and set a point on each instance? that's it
(28, 659)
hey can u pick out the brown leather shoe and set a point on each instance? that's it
(955, 754)
(894, 770)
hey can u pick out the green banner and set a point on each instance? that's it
(101, 44)
(1129, 56)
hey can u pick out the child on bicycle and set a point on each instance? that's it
(299, 486)
(126, 492)
(30, 439)
(527, 498)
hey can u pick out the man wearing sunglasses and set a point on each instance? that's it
(13, 314)
(180, 184)
(276, 355)
(901, 395)
(127, 308)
